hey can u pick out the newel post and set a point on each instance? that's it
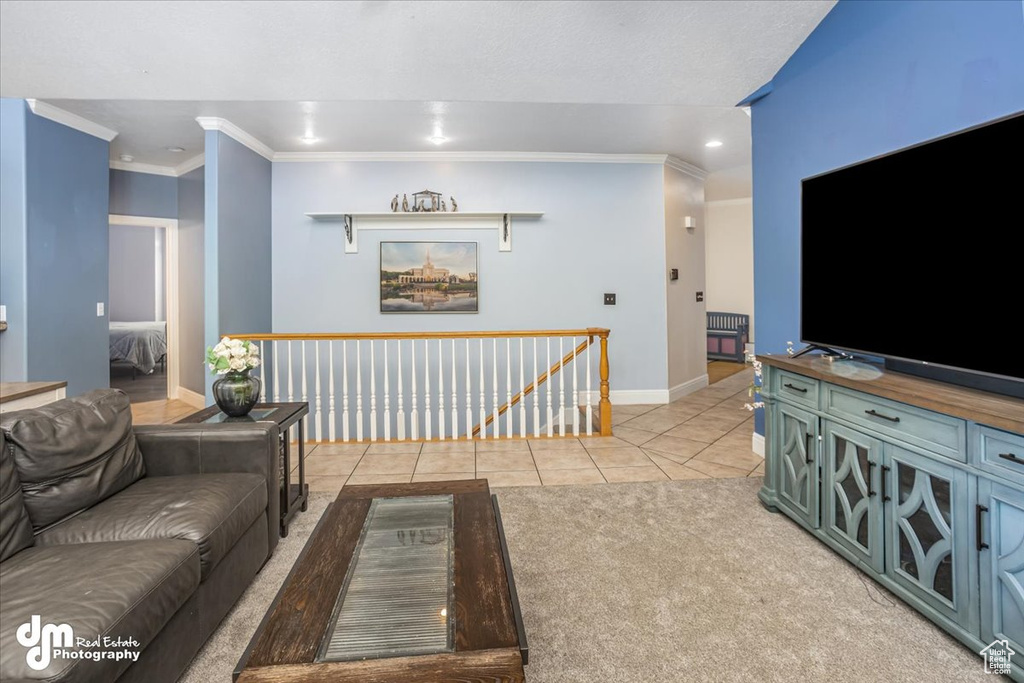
(605, 406)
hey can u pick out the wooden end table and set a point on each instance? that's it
(294, 496)
(403, 583)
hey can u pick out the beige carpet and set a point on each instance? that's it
(670, 581)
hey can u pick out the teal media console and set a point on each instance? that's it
(918, 483)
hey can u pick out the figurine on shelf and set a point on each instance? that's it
(434, 206)
(405, 202)
(394, 204)
(455, 206)
(444, 207)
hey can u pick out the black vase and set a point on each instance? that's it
(236, 393)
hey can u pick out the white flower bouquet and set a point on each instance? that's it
(232, 355)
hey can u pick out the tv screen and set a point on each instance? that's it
(919, 254)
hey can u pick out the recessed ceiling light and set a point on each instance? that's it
(713, 143)
(309, 139)
(175, 149)
(438, 139)
(127, 158)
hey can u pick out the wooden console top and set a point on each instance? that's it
(1003, 412)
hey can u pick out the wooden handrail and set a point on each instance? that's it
(588, 332)
(569, 357)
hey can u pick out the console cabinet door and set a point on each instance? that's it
(1001, 511)
(851, 506)
(928, 538)
(796, 435)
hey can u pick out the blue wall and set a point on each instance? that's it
(190, 280)
(603, 230)
(872, 77)
(143, 194)
(237, 236)
(13, 342)
(67, 195)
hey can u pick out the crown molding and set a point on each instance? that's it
(190, 165)
(48, 111)
(137, 167)
(684, 167)
(172, 171)
(567, 157)
(235, 133)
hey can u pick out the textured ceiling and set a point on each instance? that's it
(681, 53)
(146, 129)
(611, 77)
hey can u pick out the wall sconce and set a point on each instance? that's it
(689, 223)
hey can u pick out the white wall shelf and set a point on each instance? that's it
(353, 221)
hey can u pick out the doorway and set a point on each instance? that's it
(143, 307)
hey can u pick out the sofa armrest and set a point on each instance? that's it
(169, 450)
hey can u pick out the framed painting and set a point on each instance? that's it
(428, 277)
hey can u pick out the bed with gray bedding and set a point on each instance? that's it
(142, 344)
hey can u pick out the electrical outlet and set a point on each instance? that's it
(700, 297)
(673, 274)
(99, 309)
(609, 299)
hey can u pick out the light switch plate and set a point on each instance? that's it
(3, 314)
(609, 299)
(99, 309)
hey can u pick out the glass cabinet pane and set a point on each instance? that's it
(925, 537)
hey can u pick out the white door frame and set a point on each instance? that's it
(170, 226)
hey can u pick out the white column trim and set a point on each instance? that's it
(235, 133)
(757, 444)
(64, 117)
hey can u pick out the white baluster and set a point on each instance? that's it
(561, 388)
(359, 391)
(440, 391)
(345, 434)
(426, 390)
(316, 391)
(331, 432)
(455, 397)
(373, 394)
(263, 379)
(590, 407)
(522, 390)
(400, 416)
(469, 396)
(277, 393)
(414, 397)
(494, 384)
(290, 387)
(387, 396)
(305, 420)
(551, 381)
(536, 393)
(508, 388)
(575, 394)
(483, 407)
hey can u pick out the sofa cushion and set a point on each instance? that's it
(73, 453)
(15, 528)
(211, 510)
(119, 590)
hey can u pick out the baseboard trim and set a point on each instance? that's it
(190, 397)
(686, 388)
(757, 444)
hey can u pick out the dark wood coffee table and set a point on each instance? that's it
(426, 593)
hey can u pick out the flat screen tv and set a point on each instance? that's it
(917, 256)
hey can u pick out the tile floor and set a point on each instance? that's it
(704, 435)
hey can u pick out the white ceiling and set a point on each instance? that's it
(145, 129)
(632, 77)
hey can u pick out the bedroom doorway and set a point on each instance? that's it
(143, 307)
